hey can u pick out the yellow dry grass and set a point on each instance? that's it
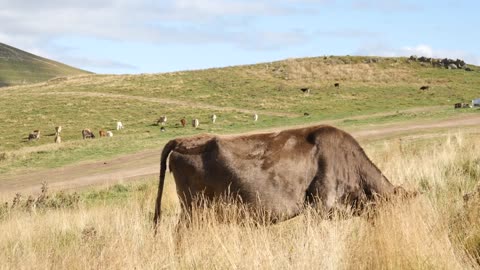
(433, 231)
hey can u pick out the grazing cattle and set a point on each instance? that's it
(102, 133)
(162, 120)
(305, 90)
(35, 135)
(337, 85)
(424, 87)
(462, 105)
(109, 134)
(195, 123)
(306, 114)
(276, 173)
(58, 130)
(183, 122)
(119, 125)
(162, 129)
(214, 118)
(87, 134)
(58, 139)
(255, 117)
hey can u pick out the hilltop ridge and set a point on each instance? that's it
(20, 67)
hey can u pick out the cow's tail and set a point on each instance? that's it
(163, 167)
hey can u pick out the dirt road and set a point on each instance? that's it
(146, 164)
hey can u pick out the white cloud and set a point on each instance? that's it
(36, 26)
(419, 50)
(349, 33)
(387, 5)
(99, 63)
(423, 50)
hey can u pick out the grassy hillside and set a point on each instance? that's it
(112, 228)
(379, 91)
(20, 67)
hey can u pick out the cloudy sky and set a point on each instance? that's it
(147, 36)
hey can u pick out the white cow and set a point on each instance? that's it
(255, 117)
(214, 118)
(58, 130)
(109, 134)
(119, 125)
(162, 120)
(195, 123)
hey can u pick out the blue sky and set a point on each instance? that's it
(146, 36)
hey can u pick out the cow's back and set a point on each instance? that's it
(270, 171)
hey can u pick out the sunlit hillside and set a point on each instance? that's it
(20, 67)
(381, 90)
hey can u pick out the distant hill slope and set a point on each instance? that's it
(380, 90)
(20, 67)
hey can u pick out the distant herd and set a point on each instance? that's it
(89, 134)
(162, 120)
(86, 133)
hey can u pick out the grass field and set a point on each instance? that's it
(377, 93)
(111, 227)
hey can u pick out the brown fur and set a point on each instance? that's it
(87, 134)
(102, 133)
(183, 122)
(276, 172)
(35, 135)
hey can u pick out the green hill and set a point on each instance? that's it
(20, 67)
(372, 90)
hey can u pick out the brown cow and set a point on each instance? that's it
(35, 135)
(183, 122)
(424, 87)
(462, 105)
(102, 133)
(337, 85)
(87, 134)
(277, 173)
(305, 90)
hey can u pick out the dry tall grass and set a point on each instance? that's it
(433, 231)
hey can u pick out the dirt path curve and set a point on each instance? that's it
(146, 163)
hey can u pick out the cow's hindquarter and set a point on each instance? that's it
(189, 174)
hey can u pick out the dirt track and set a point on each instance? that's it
(146, 164)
